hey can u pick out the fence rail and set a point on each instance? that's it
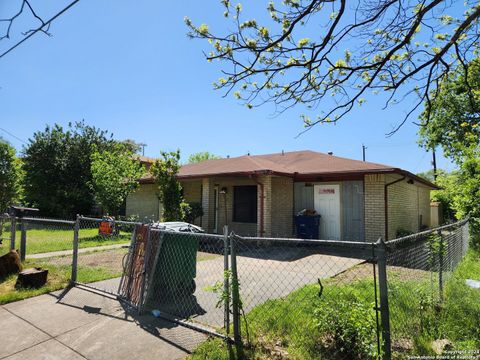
(310, 298)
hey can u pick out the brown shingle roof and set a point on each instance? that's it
(289, 163)
(296, 163)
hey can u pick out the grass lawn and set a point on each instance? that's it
(341, 323)
(5, 241)
(59, 273)
(92, 266)
(48, 240)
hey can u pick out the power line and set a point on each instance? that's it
(45, 24)
(14, 136)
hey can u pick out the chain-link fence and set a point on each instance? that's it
(41, 243)
(419, 268)
(296, 298)
(5, 233)
(307, 299)
(276, 296)
(101, 251)
(185, 276)
(271, 297)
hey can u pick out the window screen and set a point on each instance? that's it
(245, 204)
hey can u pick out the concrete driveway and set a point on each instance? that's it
(263, 275)
(86, 325)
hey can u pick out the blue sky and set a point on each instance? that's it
(129, 67)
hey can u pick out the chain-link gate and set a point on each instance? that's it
(101, 248)
(176, 276)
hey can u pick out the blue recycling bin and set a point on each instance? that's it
(307, 226)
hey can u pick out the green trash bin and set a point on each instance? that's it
(176, 267)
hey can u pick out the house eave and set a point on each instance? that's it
(313, 176)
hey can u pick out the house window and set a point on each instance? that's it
(245, 204)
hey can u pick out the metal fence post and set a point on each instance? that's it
(23, 241)
(440, 265)
(384, 307)
(235, 300)
(226, 276)
(13, 232)
(76, 231)
(146, 253)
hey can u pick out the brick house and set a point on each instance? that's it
(259, 195)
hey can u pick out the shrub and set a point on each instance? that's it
(348, 329)
(193, 211)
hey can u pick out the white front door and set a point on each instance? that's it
(327, 205)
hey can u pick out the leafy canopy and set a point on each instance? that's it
(165, 171)
(448, 183)
(332, 54)
(451, 120)
(10, 176)
(454, 113)
(57, 164)
(201, 156)
(464, 189)
(115, 174)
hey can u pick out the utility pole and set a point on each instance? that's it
(434, 163)
(143, 148)
(363, 151)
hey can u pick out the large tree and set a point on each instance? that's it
(454, 113)
(57, 165)
(201, 156)
(332, 54)
(10, 176)
(451, 120)
(115, 175)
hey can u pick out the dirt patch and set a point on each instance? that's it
(365, 271)
(111, 259)
(355, 273)
(203, 256)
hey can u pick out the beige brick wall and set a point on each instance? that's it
(277, 205)
(207, 204)
(267, 206)
(374, 207)
(144, 203)
(424, 205)
(408, 204)
(282, 207)
(192, 192)
(225, 210)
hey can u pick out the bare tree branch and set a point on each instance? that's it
(402, 48)
(24, 6)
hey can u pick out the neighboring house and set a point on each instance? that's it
(260, 195)
(144, 202)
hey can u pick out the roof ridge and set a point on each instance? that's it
(275, 165)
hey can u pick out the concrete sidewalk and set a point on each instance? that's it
(87, 325)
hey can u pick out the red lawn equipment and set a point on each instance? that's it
(107, 226)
